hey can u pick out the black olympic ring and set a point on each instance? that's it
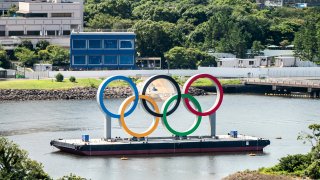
(173, 82)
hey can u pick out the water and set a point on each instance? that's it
(33, 124)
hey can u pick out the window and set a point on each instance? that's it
(110, 44)
(110, 60)
(220, 63)
(95, 44)
(2, 33)
(51, 33)
(126, 60)
(126, 44)
(33, 33)
(79, 44)
(61, 15)
(66, 32)
(16, 33)
(32, 15)
(79, 60)
(251, 62)
(95, 60)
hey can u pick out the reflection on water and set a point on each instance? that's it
(33, 124)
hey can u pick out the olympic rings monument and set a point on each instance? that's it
(179, 142)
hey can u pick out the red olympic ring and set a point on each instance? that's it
(219, 98)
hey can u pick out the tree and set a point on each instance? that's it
(12, 10)
(313, 138)
(44, 55)
(25, 56)
(15, 164)
(306, 47)
(155, 38)
(58, 56)
(4, 59)
(26, 44)
(256, 48)
(188, 58)
(42, 45)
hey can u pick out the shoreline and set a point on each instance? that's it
(72, 94)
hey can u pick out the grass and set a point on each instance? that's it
(52, 84)
(208, 82)
(88, 82)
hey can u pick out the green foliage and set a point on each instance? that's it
(4, 59)
(12, 10)
(42, 45)
(313, 171)
(59, 77)
(72, 79)
(43, 55)
(292, 163)
(307, 40)
(183, 58)
(71, 177)
(219, 25)
(15, 164)
(26, 56)
(257, 47)
(299, 164)
(26, 44)
(58, 55)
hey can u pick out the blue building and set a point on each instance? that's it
(102, 50)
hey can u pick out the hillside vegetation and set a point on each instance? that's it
(188, 29)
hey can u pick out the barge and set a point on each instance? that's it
(161, 145)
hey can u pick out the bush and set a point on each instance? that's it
(59, 77)
(313, 171)
(15, 163)
(296, 162)
(72, 79)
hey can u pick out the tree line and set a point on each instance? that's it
(27, 55)
(165, 28)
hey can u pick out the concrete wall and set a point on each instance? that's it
(218, 72)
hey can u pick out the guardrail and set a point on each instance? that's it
(291, 83)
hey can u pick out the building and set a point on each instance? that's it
(102, 50)
(283, 61)
(149, 62)
(249, 63)
(228, 62)
(289, 2)
(51, 20)
(265, 61)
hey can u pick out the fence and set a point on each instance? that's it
(218, 72)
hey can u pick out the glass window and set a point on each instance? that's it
(110, 60)
(251, 62)
(79, 44)
(95, 59)
(126, 60)
(126, 44)
(110, 44)
(95, 44)
(79, 60)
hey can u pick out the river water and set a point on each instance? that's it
(33, 124)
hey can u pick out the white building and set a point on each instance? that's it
(283, 61)
(228, 62)
(249, 63)
(265, 61)
(52, 20)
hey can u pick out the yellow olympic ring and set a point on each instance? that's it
(124, 106)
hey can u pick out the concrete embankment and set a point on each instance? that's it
(68, 94)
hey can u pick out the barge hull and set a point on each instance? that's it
(160, 147)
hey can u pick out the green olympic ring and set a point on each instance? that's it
(195, 124)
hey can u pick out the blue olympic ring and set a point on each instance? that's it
(100, 95)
